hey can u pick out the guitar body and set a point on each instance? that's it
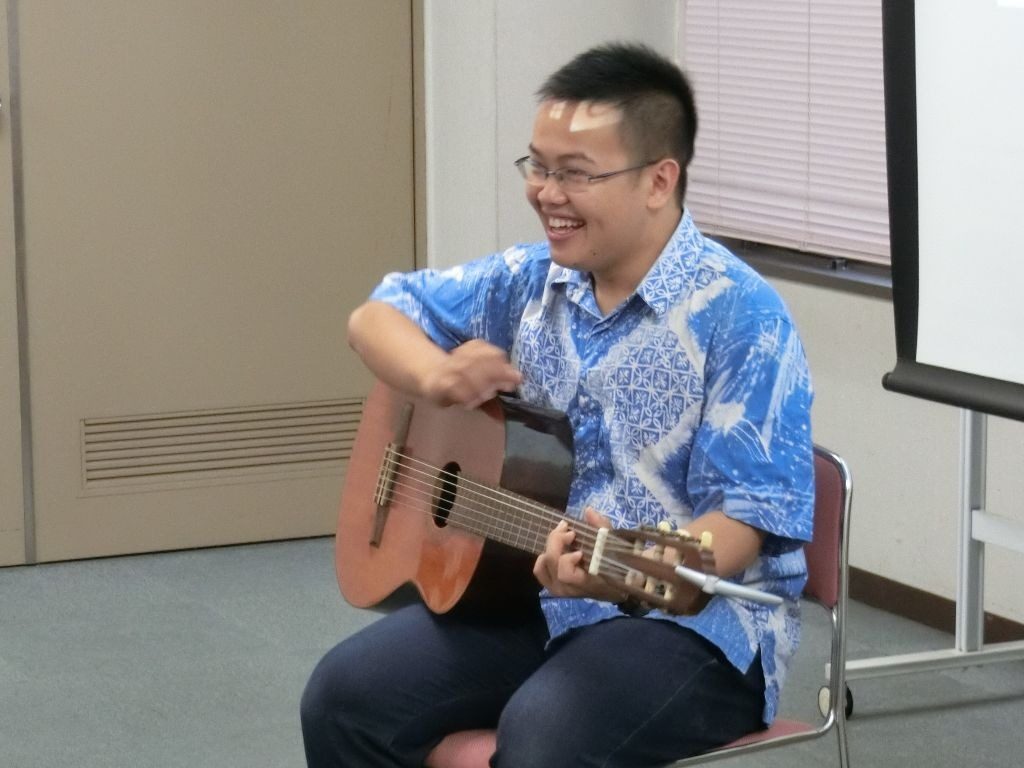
(505, 443)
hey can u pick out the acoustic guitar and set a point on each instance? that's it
(459, 503)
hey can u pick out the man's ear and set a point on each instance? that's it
(664, 179)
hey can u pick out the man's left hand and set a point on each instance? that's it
(560, 567)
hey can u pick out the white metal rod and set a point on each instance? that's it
(970, 601)
(932, 660)
(992, 529)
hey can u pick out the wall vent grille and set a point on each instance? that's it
(211, 444)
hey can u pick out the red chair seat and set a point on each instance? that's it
(463, 749)
(778, 728)
(473, 749)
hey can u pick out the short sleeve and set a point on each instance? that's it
(753, 453)
(477, 300)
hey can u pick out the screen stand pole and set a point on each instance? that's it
(970, 602)
(977, 527)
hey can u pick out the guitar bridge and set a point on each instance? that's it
(384, 491)
(386, 476)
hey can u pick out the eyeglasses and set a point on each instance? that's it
(536, 175)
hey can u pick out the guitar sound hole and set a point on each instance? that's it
(445, 493)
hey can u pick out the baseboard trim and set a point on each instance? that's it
(924, 607)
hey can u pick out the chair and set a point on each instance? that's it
(826, 586)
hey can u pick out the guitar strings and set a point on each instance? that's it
(485, 495)
(409, 493)
(544, 515)
(420, 490)
(608, 565)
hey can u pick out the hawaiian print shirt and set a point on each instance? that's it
(693, 395)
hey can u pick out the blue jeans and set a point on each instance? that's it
(626, 692)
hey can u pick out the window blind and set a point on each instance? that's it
(791, 142)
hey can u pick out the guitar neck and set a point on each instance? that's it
(505, 517)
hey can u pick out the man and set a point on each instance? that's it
(688, 395)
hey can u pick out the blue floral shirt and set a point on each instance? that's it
(693, 395)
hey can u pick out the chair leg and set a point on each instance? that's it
(844, 749)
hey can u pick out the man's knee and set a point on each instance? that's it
(314, 705)
(335, 731)
(329, 696)
(527, 737)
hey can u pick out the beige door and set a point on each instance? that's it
(209, 188)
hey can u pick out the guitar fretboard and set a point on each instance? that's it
(505, 517)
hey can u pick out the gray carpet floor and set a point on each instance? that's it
(197, 659)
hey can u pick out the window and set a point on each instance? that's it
(791, 142)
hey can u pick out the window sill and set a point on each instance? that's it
(832, 272)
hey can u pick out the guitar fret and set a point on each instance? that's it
(508, 518)
(494, 513)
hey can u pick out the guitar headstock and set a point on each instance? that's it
(641, 562)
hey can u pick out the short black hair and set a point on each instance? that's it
(659, 115)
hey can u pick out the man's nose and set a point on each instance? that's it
(551, 191)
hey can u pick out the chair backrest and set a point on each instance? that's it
(826, 583)
(826, 553)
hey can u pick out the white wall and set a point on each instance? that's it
(485, 59)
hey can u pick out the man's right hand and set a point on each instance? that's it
(401, 355)
(470, 375)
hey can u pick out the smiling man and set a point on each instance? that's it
(688, 395)
(614, 232)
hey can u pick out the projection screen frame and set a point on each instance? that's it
(910, 377)
(975, 395)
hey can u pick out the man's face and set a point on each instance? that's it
(597, 227)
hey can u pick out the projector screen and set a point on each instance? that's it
(954, 77)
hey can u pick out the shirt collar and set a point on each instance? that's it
(577, 284)
(661, 287)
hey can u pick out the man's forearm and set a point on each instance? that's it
(393, 347)
(736, 545)
(402, 355)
